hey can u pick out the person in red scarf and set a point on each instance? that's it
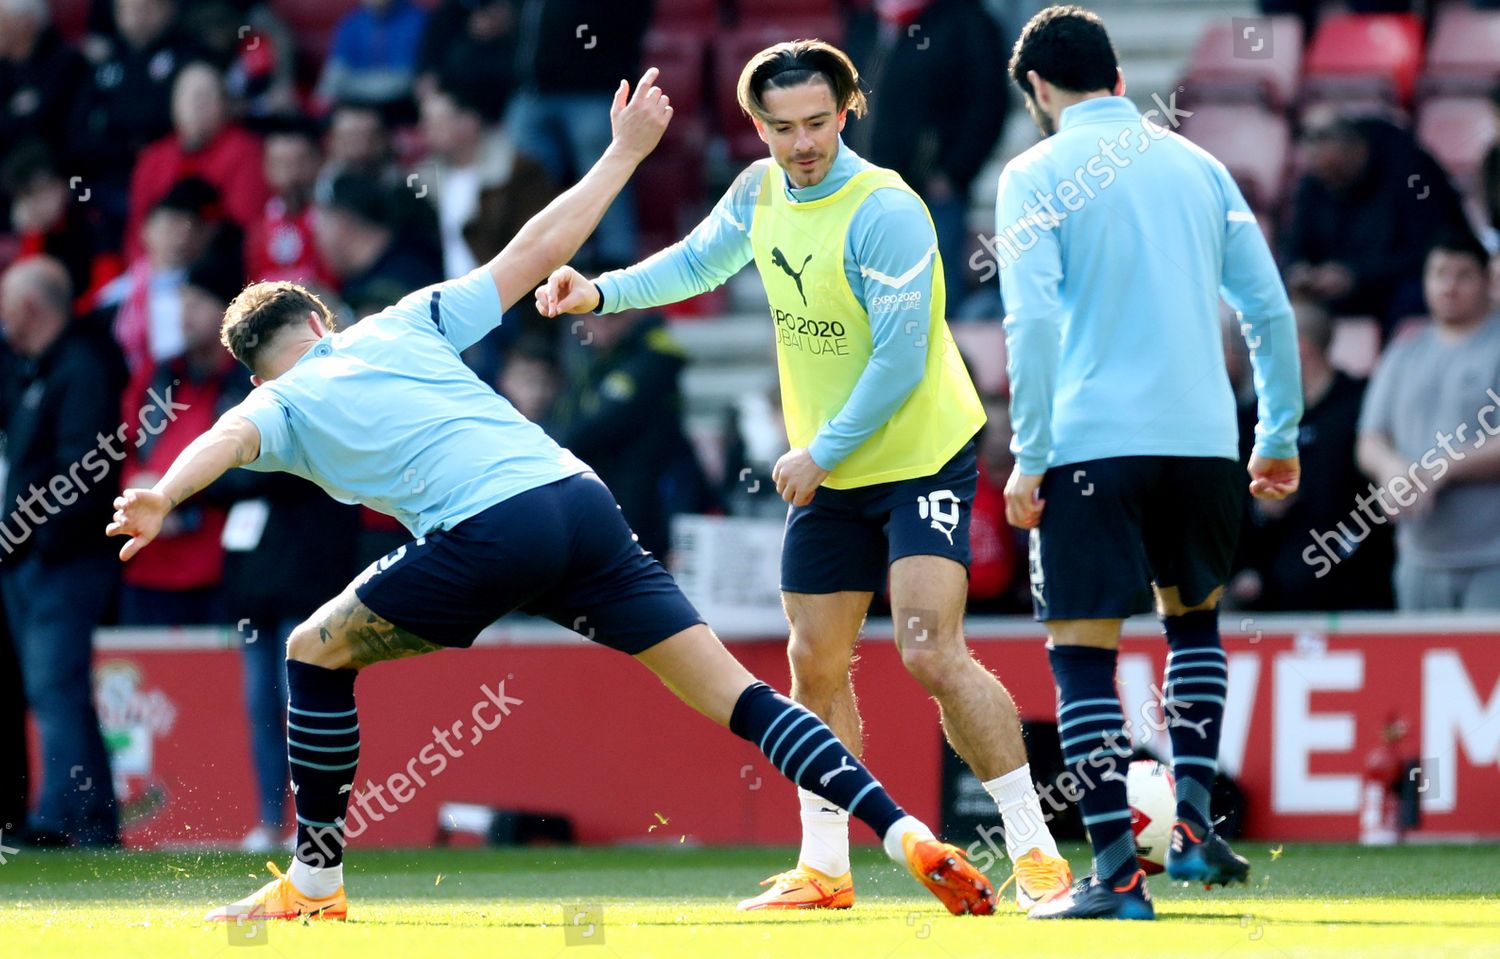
(280, 244)
(179, 585)
(205, 144)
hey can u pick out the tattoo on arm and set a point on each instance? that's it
(370, 638)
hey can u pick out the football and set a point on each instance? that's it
(1153, 808)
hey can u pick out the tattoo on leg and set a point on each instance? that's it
(371, 639)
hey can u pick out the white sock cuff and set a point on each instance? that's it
(893, 836)
(1013, 788)
(814, 805)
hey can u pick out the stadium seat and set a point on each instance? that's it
(312, 23)
(1463, 55)
(1355, 54)
(71, 17)
(682, 56)
(1253, 142)
(1456, 131)
(1216, 71)
(755, 12)
(685, 13)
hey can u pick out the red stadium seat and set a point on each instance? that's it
(1253, 142)
(685, 13)
(1464, 53)
(312, 23)
(71, 17)
(682, 57)
(1216, 73)
(1355, 54)
(1457, 131)
(756, 12)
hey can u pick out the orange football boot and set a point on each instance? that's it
(279, 899)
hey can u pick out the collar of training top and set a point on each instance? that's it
(1099, 108)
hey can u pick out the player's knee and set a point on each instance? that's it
(935, 665)
(817, 666)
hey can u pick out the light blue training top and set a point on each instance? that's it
(384, 413)
(1115, 239)
(890, 251)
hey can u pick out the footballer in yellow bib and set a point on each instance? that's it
(881, 415)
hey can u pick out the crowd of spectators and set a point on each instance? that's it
(176, 151)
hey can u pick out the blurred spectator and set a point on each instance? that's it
(206, 144)
(179, 586)
(630, 387)
(127, 101)
(145, 304)
(530, 379)
(1275, 574)
(1489, 179)
(49, 218)
(1434, 386)
(484, 188)
(359, 237)
(374, 53)
(571, 56)
(358, 142)
(1363, 217)
(58, 571)
(473, 41)
(912, 55)
(254, 49)
(279, 245)
(15, 760)
(39, 76)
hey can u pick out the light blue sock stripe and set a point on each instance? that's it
(324, 825)
(861, 794)
(1119, 734)
(332, 769)
(1087, 702)
(322, 749)
(1124, 752)
(1215, 651)
(1176, 681)
(1105, 817)
(771, 753)
(811, 756)
(772, 728)
(786, 759)
(293, 709)
(1118, 717)
(1205, 698)
(1195, 761)
(324, 732)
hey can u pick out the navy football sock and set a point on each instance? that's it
(1096, 748)
(1197, 678)
(808, 753)
(322, 740)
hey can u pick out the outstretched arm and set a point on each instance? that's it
(232, 441)
(549, 239)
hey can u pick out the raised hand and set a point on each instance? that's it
(639, 121)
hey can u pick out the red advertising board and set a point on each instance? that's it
(532, 719)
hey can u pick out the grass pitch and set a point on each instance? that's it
(1304, 900)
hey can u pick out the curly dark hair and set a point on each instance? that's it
(1068, 47)
(260, 312)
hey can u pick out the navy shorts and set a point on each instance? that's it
(846, 539)
(1112, 527)
(563, 551)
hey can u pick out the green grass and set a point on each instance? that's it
(1311, 900)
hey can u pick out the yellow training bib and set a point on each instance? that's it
(823, 341)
